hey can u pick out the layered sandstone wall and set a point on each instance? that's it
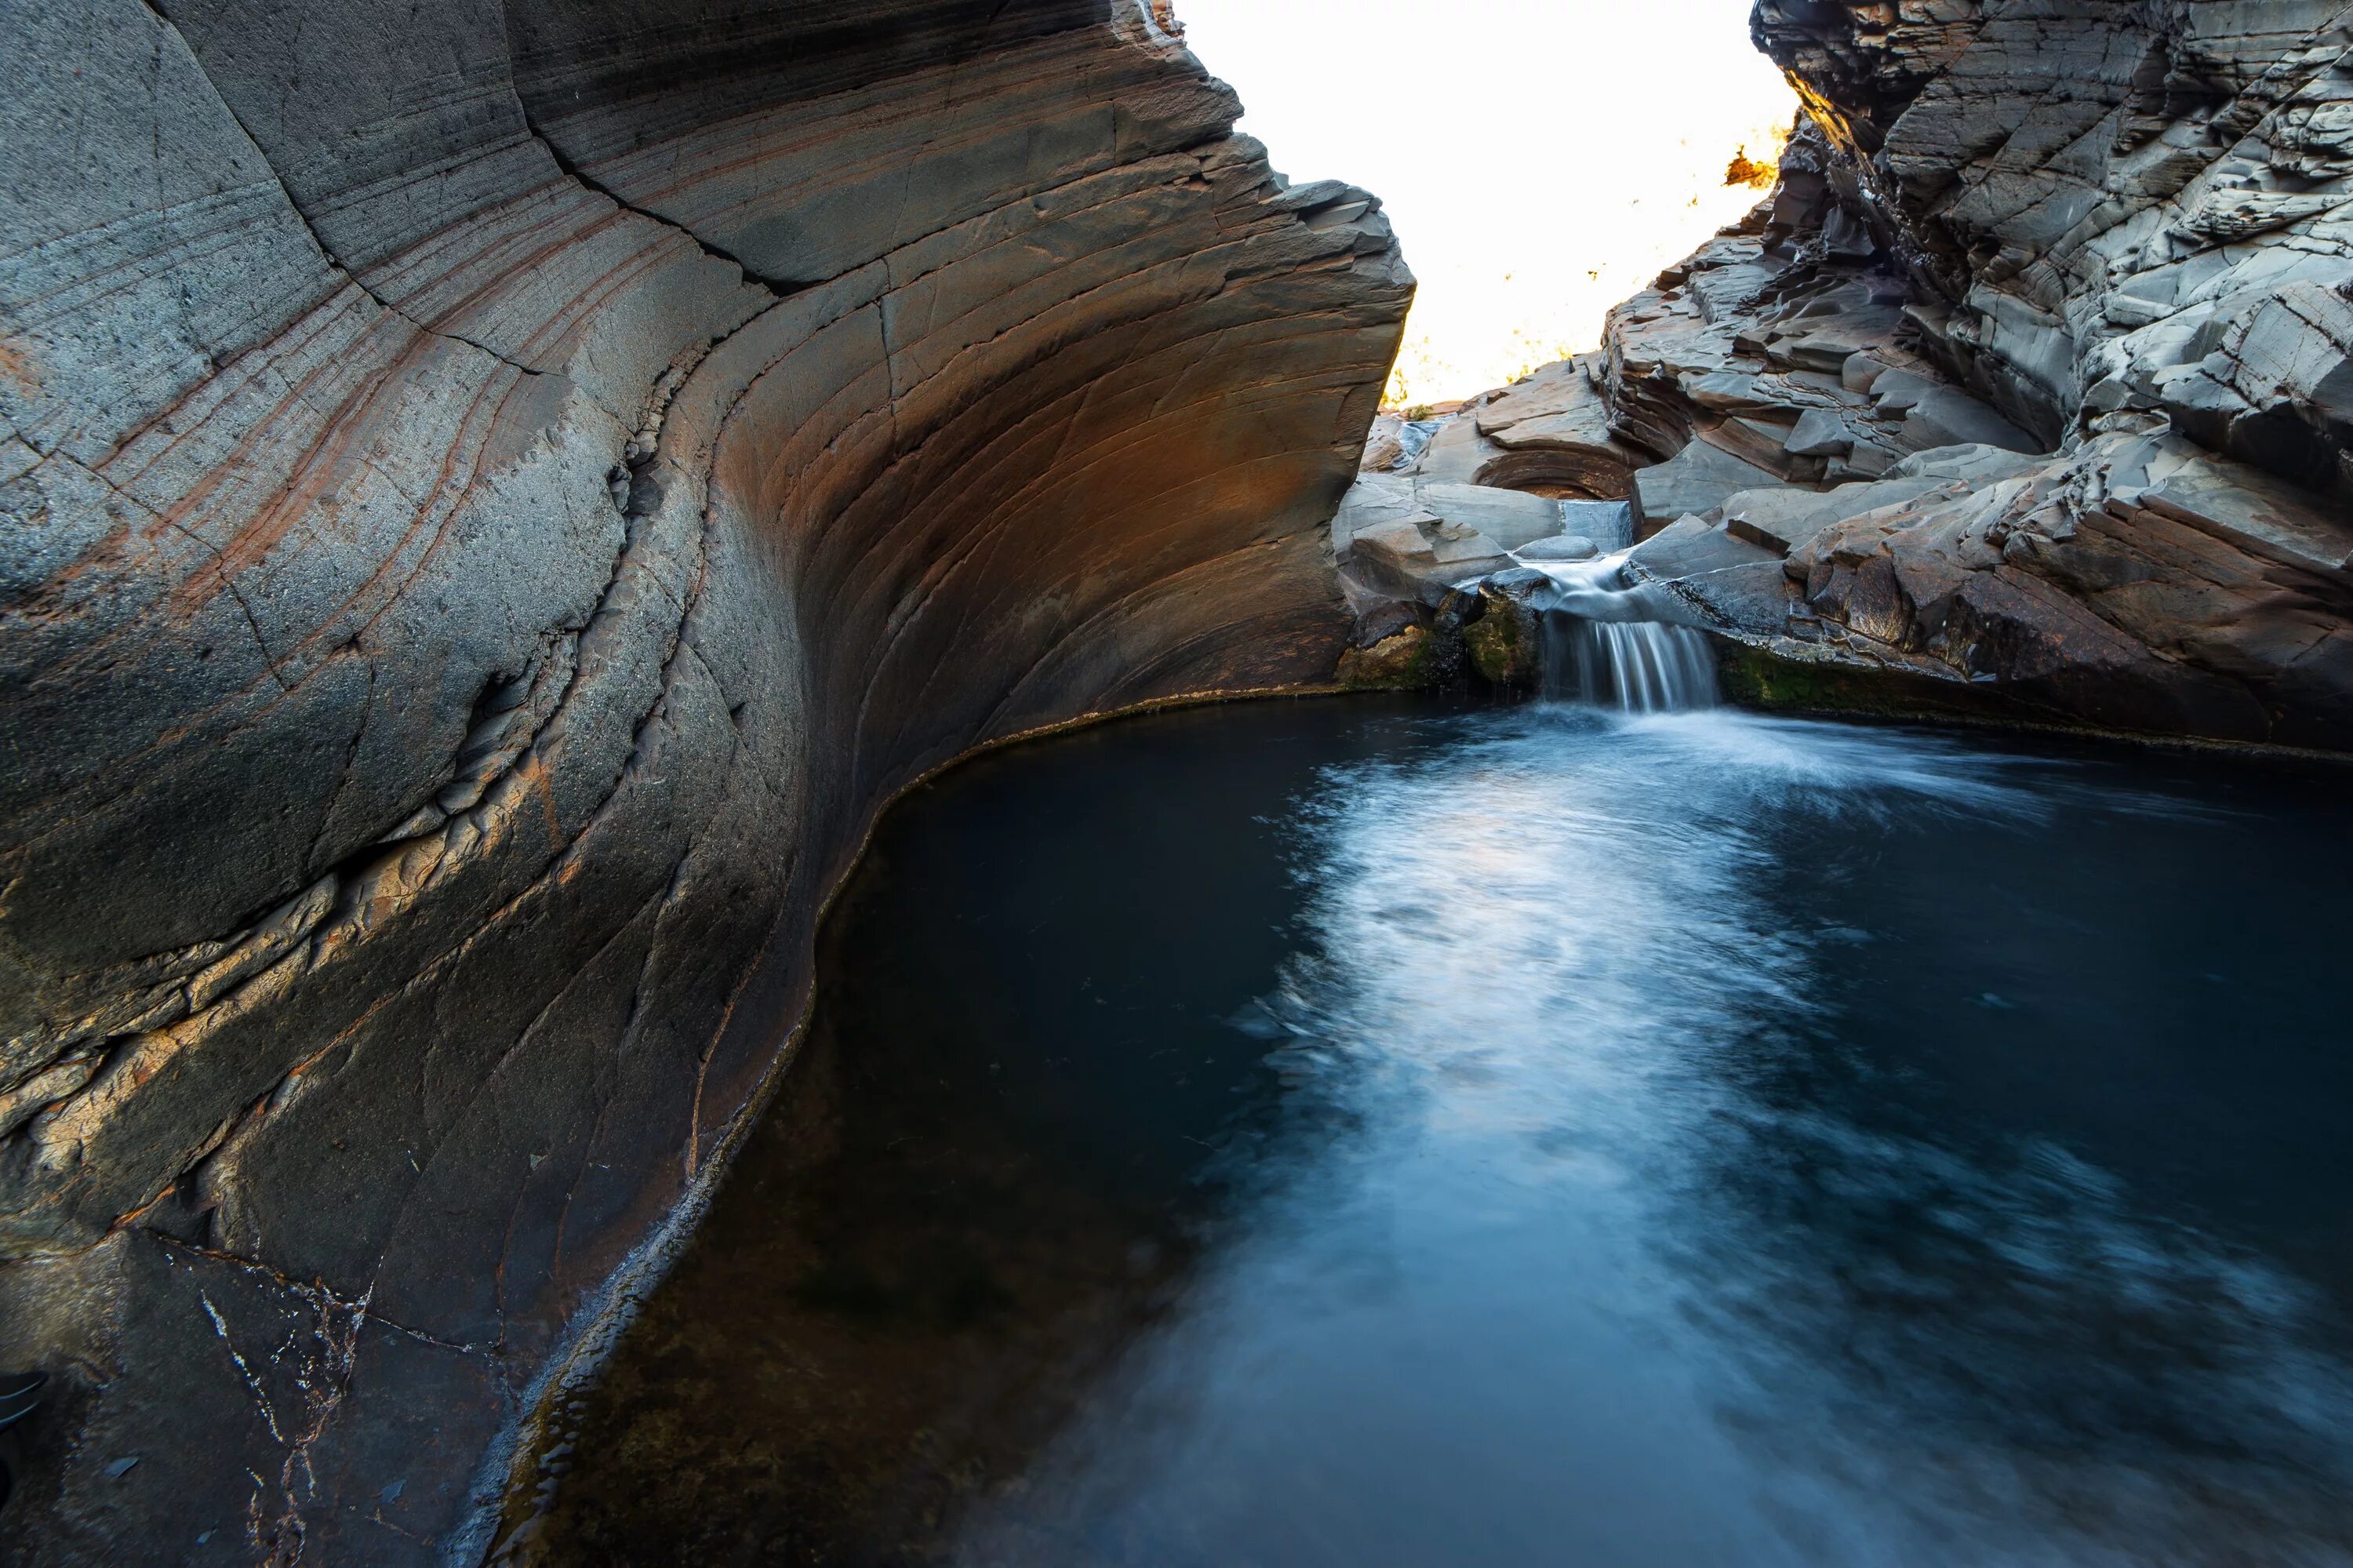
(2126, 227)
(2025, 396)
(2108, 207)
(495, 498)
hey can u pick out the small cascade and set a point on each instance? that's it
(1604, 646)
(1634, 666)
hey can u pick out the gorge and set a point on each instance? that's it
(2018, 399)
(499, 497)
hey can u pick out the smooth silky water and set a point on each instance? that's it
(1376, 1132)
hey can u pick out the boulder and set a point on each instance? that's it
(1506, 640)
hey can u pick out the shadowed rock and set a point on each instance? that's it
(495, 500)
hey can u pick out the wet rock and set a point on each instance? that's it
(1402, 660)
(1505, 643)
(1412, 644)
(1562, 547)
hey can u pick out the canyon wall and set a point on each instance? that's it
(2025, 397)
(495, 498)
(2059, 290)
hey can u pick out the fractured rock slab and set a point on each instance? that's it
(1697, 479)
(1548, 434)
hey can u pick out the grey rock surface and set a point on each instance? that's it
(1548, 434)
(1696, 478)
(2120, 239)
(495, 498)
(1396, 536)
(2025, 395)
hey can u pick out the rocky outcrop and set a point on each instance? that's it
(1435, 570)
(2022, 397)
(1548, 434)
(1531, 472)
(495, 499)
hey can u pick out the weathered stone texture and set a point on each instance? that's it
(495, 498)
(2028, 392)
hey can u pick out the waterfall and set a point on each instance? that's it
(1604, 646)
(1635, 666)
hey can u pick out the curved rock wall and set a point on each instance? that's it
(496, 498)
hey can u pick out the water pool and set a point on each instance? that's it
(1376, 1132)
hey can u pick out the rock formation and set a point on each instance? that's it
(2024, 396)
(495, 499)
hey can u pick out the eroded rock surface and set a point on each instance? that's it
(2120, 227)
(495, 498)
(2024, 396)
(1437, 571)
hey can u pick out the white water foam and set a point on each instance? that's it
(1605, 648)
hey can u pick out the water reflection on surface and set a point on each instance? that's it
(1356, 1134)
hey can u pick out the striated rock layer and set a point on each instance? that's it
(495, 498)
(2025, 396)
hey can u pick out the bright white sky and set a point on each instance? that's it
(1541, 159)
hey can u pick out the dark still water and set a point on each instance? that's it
(1361, 1133)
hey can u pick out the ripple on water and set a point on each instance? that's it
(1661, 1139)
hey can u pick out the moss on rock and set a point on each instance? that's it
(1502, 649)
(1399, 661)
